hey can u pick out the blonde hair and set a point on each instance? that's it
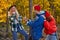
(9, 14)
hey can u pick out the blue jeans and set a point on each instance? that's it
(53, 36)
(35, 36)
(35, 39)
(17, 29)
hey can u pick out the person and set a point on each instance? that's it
(15, 23)
(36, 25)
(50, 26)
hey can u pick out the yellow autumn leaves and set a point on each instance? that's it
(4, 4)
(23, 7)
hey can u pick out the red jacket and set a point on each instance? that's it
(50, 27)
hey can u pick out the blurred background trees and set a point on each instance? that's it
(53, 6)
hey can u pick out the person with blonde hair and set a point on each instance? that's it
(16, 26)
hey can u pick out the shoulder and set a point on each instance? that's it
(41, 17)
(52, 18)
(42, 11)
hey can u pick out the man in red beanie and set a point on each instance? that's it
(37, 24)
(50, 27)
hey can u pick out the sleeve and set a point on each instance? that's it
(19, 18)
(9, 16)
(53, 20)
(29, 22)
(48, 26)
(36, 22)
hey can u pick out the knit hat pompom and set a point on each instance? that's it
(37, 7)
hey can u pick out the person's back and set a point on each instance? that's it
(50, 27)
(36, 27)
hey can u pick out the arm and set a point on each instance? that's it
(47, 25)
(53, 20)
(37, 22)
(50, 26)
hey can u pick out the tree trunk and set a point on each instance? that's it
(30, 11)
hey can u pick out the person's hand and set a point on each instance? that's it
(25, 19)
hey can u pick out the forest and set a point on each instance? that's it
(23, 7)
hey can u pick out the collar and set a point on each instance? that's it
(41, 13)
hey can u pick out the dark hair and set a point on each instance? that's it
(11, 7)
(48, 18)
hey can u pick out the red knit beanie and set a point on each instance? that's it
(37, 7)
(47, 14)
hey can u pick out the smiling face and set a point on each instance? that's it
(13, 9)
